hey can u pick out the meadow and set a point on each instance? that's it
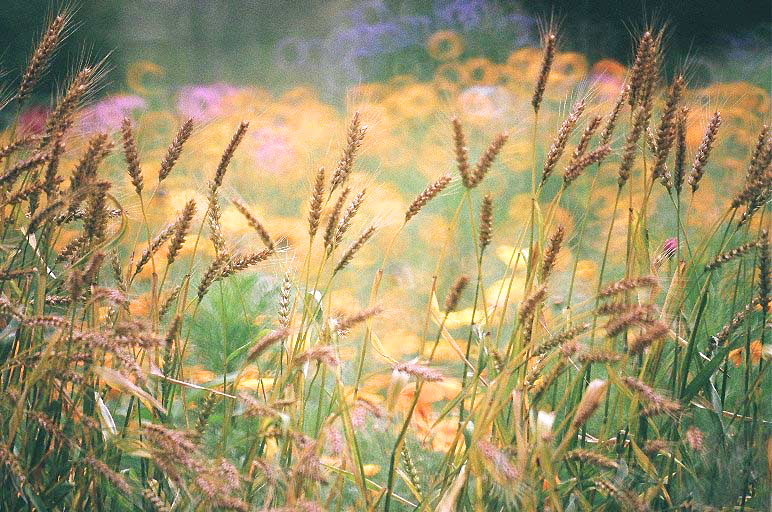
(522, 283)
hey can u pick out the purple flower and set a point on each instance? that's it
(33, 120)
(107, 114)
(670, 246)
(203, 102)
(525, 29)
(363, 41)
(668, 250)
(291, 53)
(467, 14)
(272, 150)
(416, 28)
(369, 12)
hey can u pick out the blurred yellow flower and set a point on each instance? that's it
(525, 63)
(198, 374)
(138, 71)
(481, 71)
(586, 270)
(250, 379)
(443, 435)
(451, 74)
(400, 342)
(445, 45)
(568, 66)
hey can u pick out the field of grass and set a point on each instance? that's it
(524, 284)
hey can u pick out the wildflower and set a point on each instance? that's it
(108, 114)
(669, 249)
(33, 120)
(445, 45)
(737, 356)
(203, 102)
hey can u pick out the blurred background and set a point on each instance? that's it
(331, 45)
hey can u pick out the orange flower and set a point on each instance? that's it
(140, 307)
(609, 68)
(443, 435)
(737, 356)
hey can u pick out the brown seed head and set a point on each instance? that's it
(634, 316)
(454, 295)
(584, 141)
(345, 324)
(629, 283)
(462, 156)
(427, 195)
(608, 130)
(227, 155)
(267, 341)
(680, 149)
(356, 133)
(181, 227)
(666, 133)
(762, 154)
(486, 222)
(703, 152)
(175, 149)
(315, 208)
(591, 399)
(550, 45)
(575, 169)
(354, 248)
(559, 144)
(551, 254)
(654, 332)
(733, 254)
(487, 159)
(41, 57)
(638, 71)
(631, 145)
(332, 221)
(254, 223)
(132, 155)
(348, 215)
(420, 371)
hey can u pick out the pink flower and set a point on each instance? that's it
(668, 250)
(107, 114)
(203, 102)
(33, 120)
(272, 150)
(670, 247)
